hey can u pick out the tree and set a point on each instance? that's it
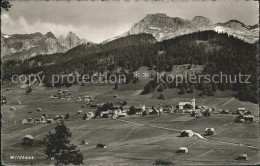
(182, 91)
(147, 89)
(206, 113)
(85, 116)
(124, 103)
(58, 146)
(5, 5)
(160, 89)
(116, 86)
(67, 116)
(132, 110)
(161, 96)
(28, 90)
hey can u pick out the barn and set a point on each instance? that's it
(182, 150)
(187, 133)
(210, 131)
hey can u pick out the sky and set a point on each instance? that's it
(97, 21)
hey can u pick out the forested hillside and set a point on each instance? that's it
(217, 52)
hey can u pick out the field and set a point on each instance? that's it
(135, 140)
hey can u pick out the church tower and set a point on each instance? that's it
(193, 102)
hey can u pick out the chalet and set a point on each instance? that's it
(241, 111)
(187, 133)
(90, 115)
(19, 102)
(95, 104)
(28, 140)
(79, 111)
(24, 121)
(50, 121)
(187, 105)
(183, 150)
(210, 131)
(167, 109)
(101, 146)
(224, 112)
(122, 113)
(244, 118)
(149, 111)
(182, 104)
(78, 99)
(248, 118)
(239, 119)
(198, 114)
(248, 113)
(88, 98)
(139, 110)
(58, 117)
(104, 114)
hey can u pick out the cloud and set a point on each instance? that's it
(22, 26)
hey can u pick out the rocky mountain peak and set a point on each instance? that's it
(24, 46)
(50, 35)
(201, 22)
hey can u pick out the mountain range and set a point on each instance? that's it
(159, 25)
(163, 27)
(24, 46)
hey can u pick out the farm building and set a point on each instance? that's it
(224, 112)
(198, 114)
(182, 105)
(79, 111)
(95, 104)
(54, 97)
(244, 118)
(104, 114)
(90, 115)
(12, 108)
(101, 146)
(28, 140)
(122, 113)
(183, 150)
(50, 121)
(248, 118)
(19, 102)
(248, 113)
(58, 117)
(210, 131)
(242, 157)
(78, 99)
(24, 121)
(187, 133)
(241, 111)
(88, 98)
(39, 109)
(149, 111)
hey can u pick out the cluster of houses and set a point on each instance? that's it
(122, 110)
(61, 94)
(244, 115)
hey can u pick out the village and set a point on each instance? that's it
(93, 109)
(121, 109)
(82, 110)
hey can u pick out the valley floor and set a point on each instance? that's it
(133, 140)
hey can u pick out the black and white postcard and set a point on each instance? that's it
(129, 82)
